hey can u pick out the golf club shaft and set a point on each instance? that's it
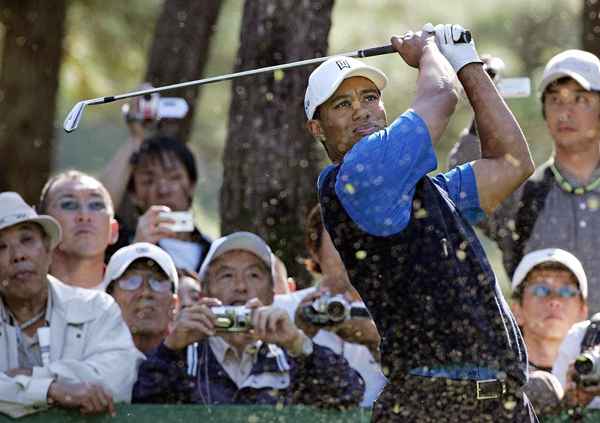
(375, 51)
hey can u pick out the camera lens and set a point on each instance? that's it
(336, 311)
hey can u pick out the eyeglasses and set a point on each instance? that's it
(134, 282)
(541, 290)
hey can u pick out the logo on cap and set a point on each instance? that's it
(343, 64)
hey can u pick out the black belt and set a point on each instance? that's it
(487, 389)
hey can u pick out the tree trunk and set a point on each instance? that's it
(270, 161)
(591, 26)
(29, 73)
(179, 52)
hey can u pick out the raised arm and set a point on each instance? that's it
(505, 158)
(436, 94)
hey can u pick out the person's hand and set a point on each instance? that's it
(448, 38)
(151, 227)
(360, 331)
(300, 321)
(23, 371)
(411, 45)
(274, 326)
(90, 398)
(576, 394)
(193, 324)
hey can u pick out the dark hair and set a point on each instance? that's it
(313, 238)
(73, 174)
(156, 148)
(559, 81)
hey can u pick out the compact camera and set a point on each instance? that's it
(153, 107)
(232, 318)
(328, 310)
(182, 221)
(587, 368)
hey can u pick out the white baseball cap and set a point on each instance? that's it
(122, 259)
(551, 255)
(245, 241)
(325, 79)
(14, 210)
(582, 66)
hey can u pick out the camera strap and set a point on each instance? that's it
(592, 334)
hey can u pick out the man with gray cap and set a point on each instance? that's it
(559, 206)
(549, 296)
(234, 347)
(450, 346)
(58, 344)
(143, 280)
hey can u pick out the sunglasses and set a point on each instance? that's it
(541, 290)
(135, 282)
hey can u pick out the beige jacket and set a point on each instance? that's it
(89, 342)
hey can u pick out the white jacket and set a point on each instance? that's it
(89, 342)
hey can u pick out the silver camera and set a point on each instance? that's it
(327, 310)
(587, 368)
(232, 318)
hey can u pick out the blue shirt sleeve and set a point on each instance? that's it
(461, 186)
(377, 178)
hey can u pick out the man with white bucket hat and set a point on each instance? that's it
(58, 344)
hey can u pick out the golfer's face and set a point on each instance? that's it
(355, 110)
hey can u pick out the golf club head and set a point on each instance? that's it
(74, 116)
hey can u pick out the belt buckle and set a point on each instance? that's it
(483, 396)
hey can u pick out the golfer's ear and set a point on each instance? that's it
(313, 126)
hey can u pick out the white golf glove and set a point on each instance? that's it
(450, 40)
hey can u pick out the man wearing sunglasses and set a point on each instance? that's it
(143, 280)
(549, 296)
(267, 360)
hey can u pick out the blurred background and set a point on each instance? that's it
(107, 47)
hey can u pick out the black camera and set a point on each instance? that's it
(232, 318)
(332, 309)
(587, 368)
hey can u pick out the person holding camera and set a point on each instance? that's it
(234, 347)
(144, 282)
(549, 296)
(558, 205)
(450, 345)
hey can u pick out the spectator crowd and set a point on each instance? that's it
(405, 314)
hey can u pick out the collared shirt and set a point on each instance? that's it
(30, 354)
(238, 368)
(376, 185)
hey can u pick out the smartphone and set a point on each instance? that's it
(183, 221)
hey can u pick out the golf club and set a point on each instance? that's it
(76, 113)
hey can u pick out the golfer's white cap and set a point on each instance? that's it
(122, 259)
(551, 255)
(582, 66)
(325, 79)
(245, 241)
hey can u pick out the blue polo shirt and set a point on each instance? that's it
(377, 177)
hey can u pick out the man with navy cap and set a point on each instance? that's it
(450, 346)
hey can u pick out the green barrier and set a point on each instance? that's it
(229, 414)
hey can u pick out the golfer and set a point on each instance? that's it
(451, 348)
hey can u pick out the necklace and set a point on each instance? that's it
(566, 185)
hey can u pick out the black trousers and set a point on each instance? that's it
(423, 399)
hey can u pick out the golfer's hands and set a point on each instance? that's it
(152, 227)
(411, 46)
(193, 324)
(89, 398)
(457, 52)
(274, 326)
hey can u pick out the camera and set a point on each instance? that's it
(587, 368)
(232, 318)
(153, 107)
(327, 310)
(182, 221)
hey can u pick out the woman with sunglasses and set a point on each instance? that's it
(549, 296)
